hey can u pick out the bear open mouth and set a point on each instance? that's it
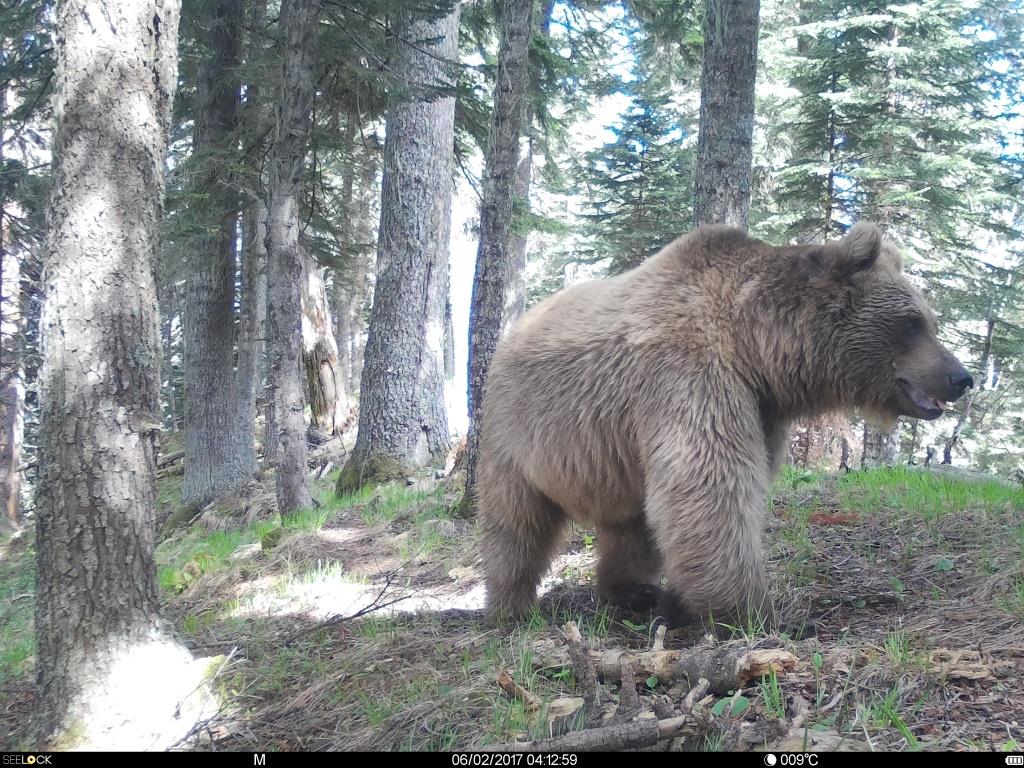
(926, 406)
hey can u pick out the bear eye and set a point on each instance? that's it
(911, 326)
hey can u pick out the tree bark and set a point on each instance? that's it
(515, 296)
(97, 605)
(252, 334)
(965, 411)
(170, 348)
(250, 372)
(880, 447)
(402, 417)
(493, 260)
(325, 384)
(341, 290)
(12, 376)
(219, 448)
(725, 136)
(351, 286)
(285, 421)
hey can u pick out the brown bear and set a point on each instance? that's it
(655, 406)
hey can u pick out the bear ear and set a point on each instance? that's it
(859, 249)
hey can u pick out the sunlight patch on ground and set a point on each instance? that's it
(152, 697)
(327, 590)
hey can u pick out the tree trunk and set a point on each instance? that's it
(97, 621)
(170, 348)
(725, 136)
(252, 334)
(402, 418)
(515, 296)
(493, 260)
(352, 287)
(219, 450)
(341, 289)
(325, 384)
(12, 377)
(515, 299)
(914, 440)
(965, 411)
(285, 422)
(880, 447)
(250, 373)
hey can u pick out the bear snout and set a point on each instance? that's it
(960, 381)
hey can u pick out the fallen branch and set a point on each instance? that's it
(168, 459)
(612, 738)
(629, 699)
(513, 690)
(583, 664)
(726, 668)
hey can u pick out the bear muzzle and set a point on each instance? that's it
(928, 400)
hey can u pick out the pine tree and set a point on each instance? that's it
(725, 143)
(494, 260)
(639, 187)
(97, 602)
(220, 452)
(285, 424)
(402, 417)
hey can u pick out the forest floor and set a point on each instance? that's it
(357, 625)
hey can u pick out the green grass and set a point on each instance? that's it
(1014, 601)
(386, 503)
(772, 697)
(184, 559)
(897, 647)
(885, 713)
(925, 494)
(181, 561)
(17, 605)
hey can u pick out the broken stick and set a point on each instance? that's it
(612, 738)
(513, 690)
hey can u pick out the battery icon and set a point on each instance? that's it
(1015, 759)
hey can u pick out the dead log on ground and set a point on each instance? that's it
(612, 738)
(726, 668)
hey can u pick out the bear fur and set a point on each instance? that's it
(655, 406)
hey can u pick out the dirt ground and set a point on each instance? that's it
(358, 626)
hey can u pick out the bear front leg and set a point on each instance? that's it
(520, 529)
(629, 566)
(706, 500)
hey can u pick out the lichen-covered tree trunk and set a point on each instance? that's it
(402, 416)
(97, 596)
(325, 383)
(494, 257)
(725, 136)
(342, 326)
(285, 421)
(219, 447)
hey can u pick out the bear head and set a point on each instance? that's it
(881, 349)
